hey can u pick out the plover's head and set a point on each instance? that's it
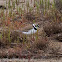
(35, 26)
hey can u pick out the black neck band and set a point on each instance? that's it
(35, 28)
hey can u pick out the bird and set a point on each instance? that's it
(33, 30)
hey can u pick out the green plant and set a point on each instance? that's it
(42, 6)
(23, 38)
(10, 13)
(18, 40)
(16, 2)
(22, 5)
(6, 3)
(17, 8)
(37, 35)
(3, 15)
(21, 11)
(30, 9)
(9, 39)
(54, 10)
(53, 5)
(45, 5)
(48, 4)
(37, 5)
(9, 4)
(61, 18)
(40, 2)
(13, 15)
(26, 38)
(27, 5)
(33, 21)
(1, 36)
(13, 4)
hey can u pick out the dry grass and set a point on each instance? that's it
(58, 5)
(30, 16)
(16, 44)
(6, 38)
(40, 44)
(52, 28)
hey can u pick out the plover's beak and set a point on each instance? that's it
(38, 25)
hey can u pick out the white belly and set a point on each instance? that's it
(32, 31)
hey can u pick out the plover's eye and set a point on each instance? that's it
(36, 25)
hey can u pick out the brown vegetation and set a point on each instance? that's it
(43, 44)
